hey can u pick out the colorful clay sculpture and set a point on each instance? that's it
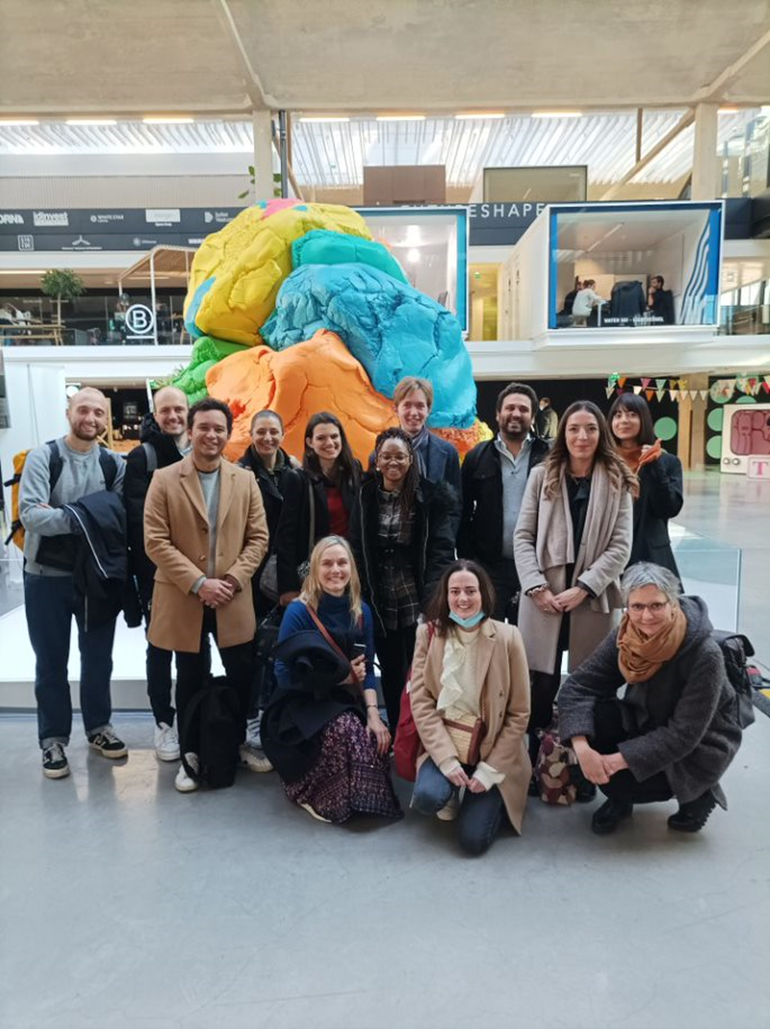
(341, 323)
(318, 375)
(237, 271)
(391, 328)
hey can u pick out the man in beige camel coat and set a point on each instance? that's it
(205, 531)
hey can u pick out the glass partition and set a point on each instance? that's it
(634, 266)
(711, 570)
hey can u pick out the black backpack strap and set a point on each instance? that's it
(151, 457)
(109, 467)
(55, 462)
(191, 714)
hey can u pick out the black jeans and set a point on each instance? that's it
(192, 671)
(158, 665)
(608, 733)
(505, 579)
(544, 687)
(51, 602)
(480, 815)
(394, 652)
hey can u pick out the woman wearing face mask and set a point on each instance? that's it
(271, 466)
(402, 537)
(322, 728)
(675, 731)
(571, 544)
(470, 671)
(318, 499)
(660, 480)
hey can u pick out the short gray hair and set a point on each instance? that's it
(645, 573)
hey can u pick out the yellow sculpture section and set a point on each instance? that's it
(318, 375)
(249, 259)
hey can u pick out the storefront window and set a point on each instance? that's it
(642, 266)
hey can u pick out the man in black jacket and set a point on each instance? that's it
(164, 442)
(495, 476)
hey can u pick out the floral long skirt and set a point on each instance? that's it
(349, 778)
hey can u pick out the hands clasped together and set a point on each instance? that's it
(559, 603)
(597, 768)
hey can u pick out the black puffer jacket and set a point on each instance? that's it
(135, 486)
(680, 722)
(432, 537)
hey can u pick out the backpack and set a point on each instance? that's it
(736, 648)
(55, 465)
(213, 729)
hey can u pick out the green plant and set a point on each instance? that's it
(252, 180)
(62, 284)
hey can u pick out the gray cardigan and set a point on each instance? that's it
(678, 722)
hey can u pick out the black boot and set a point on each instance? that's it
(607, 818)
(692, 816)
(585, 790)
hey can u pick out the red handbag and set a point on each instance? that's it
(407, 742)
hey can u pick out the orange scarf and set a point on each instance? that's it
(635, 459)
(640, 656)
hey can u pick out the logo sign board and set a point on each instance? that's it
(501, 224)
(758, 468)
(140, 322)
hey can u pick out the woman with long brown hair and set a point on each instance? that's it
(571, 544)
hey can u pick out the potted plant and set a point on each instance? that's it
(62, 284)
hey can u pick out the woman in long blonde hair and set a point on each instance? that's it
(322, 729)
(571, 544)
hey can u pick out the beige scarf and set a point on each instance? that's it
(640, 656)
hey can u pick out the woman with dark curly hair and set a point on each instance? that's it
(571, 544)
(402, 538)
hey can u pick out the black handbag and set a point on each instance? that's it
(267, 635)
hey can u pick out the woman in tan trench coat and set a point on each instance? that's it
(571, 544)
(467, 667)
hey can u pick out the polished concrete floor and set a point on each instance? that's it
(124, 903)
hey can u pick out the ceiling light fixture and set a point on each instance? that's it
(91, 121)
(171, 119)
(470, 115)
(728, 109)
(557, 114)
(400, 117)
(322, 119)
(413, 256)
(19, 121)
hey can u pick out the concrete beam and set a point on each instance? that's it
(257, 95)
(684, 122)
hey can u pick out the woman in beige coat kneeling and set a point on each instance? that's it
(470, 702)
(571, 544)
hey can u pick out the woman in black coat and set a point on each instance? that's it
(660, 480)
(318, 500)
(676, 730)
(402, 538)
(271, 467)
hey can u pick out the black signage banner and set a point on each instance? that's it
(67, 229)
(498, 224)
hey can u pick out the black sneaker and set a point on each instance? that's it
(608, 817)
(107, 743)
(55, 764)
(691, 817)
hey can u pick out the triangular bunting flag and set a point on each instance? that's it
(673, 394)
(649, 393)
(660, 383)
(767, 380)
(619, 391)
(703, 394)
(766, 386)
(622, 380)
(646, 382)
(609, 390)
(637, 390)
(660, 393)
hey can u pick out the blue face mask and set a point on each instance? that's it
(467, 623)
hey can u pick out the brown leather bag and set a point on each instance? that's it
(466, 733)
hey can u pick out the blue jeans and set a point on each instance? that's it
(480, 816)
(50, 603)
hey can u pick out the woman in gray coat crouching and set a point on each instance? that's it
(674, 732)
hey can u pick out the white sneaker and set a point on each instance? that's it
(183, 782)
(451, 811)
(166, 743)
(312, 811)
(254, 758)
(253, 732)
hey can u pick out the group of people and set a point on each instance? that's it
(470, 584)
(582, 303)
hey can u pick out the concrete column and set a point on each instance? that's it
(704, 157)
(698, 429)
(263, 155)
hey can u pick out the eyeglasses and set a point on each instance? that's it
(656, 608)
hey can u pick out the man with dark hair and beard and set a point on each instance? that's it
(494, 477)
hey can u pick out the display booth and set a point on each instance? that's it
(745, 435)
(649, 268)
